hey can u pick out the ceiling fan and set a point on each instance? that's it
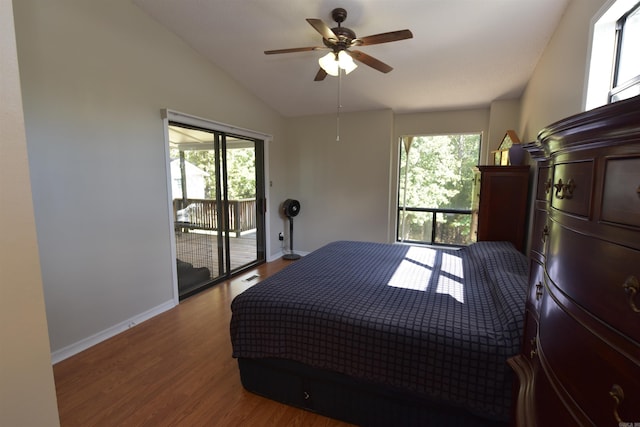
(340, 40)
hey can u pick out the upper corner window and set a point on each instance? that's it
(626, 73)
(614, 65)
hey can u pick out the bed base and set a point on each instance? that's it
(344, 398)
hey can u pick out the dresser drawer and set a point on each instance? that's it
(536, 403)
(572, 187)
(530, 337)
(536, 284)
(588, 369)
(595, 279)
(543, 186)
(540, 231)
(621, 195)
(549, 409)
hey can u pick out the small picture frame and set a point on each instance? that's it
(501, 155)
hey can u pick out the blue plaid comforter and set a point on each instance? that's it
(438, 323)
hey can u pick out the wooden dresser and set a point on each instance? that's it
(500, 204)
(580, 359)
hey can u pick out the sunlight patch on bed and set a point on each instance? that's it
(414, 272)
(452, 264)
(450, 271)
(451, 287)
(424, 256)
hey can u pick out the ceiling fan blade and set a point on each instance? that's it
(294, 49)
(321, 75)
(383, 38)
(323, 29)
(370, 61)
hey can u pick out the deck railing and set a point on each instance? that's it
(451, 227)
(203, 214)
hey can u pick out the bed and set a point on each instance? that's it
(387, 334)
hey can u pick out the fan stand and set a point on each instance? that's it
(291, 255)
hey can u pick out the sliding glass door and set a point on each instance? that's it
(217, 186)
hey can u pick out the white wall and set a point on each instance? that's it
(555, 90)
(27, 392)
(342, 186)
(347, 189)
(95, 76)
(505, 115)
(444, 122)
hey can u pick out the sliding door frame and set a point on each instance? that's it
(262, 177)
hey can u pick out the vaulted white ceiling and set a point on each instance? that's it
(463, 54)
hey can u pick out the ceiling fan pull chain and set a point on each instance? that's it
(339, 106)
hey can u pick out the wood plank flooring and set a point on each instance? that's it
(173, 370)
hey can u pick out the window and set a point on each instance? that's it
(626, 74)
(435, 188)
(614, 70)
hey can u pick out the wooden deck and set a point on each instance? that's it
(201, 250)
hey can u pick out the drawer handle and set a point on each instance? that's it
(545, 233)
(538, 290)
(631, 286)
(534, 347)
(565, 190)
(617, 394)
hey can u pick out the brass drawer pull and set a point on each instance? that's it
(565, 190)
(632, 286)
(534, 347)
(538, 290)
(617, 394)
(545, 233)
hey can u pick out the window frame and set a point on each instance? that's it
(618, 87)
(601, 56)
(434, 212)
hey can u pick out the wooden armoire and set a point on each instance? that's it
(500, 204)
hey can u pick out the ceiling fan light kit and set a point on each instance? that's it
(340, 40)
(332, 63)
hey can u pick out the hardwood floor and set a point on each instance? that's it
(173, 370)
